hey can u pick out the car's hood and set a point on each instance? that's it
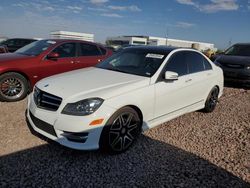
(243, 60)
(91, 82)
(6, 57)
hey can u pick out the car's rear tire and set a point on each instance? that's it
(212, 100)
(121, 131)
(13, 87)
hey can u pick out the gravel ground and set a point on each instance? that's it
(195, 150)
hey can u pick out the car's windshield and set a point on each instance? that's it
(36, 48)
(134, 61)
(238, 50)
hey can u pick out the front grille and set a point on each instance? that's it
(233, 66)
(46, 101)
(43, 125)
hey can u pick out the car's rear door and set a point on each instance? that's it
(88, 55)
(200, 73)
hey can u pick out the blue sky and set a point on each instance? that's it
(215, 21)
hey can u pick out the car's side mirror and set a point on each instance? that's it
(170, 76)
(53, 55)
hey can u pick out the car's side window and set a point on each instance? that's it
(66, 50)
(206, 64)
(103, 51)
(177, 63)
(89, 50)
(10, 42)
(195, 62)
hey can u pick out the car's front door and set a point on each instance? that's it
(172, 96)
(190, 90)
(63, 63)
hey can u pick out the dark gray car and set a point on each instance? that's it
(235, 63)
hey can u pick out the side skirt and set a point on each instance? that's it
(167, 117)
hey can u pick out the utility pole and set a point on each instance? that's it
(230, 42)
(167, 35)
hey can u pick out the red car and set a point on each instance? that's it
(19, 71)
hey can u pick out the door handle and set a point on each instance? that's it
(188, 80)
(73, 62)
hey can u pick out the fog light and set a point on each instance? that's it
(76, 137)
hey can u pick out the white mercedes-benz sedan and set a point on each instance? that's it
(109, 105)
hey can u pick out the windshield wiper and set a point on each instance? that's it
(117, 70)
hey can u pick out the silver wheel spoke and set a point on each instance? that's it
(11, 88)
(122, 121)
(126, 142)
(116, 126)
(117, 142)
(129, 119)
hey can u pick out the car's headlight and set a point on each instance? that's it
(83, 108)
(248, 67)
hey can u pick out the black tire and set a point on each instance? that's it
(119, 134)
(13, 87)
(212, 100)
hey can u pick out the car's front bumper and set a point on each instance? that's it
(70, 131)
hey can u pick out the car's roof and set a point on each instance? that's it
(153, 49)
(21, 39)
(67, 40)
(73, 40)
(247, 44)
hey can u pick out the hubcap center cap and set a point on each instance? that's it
(123, 131)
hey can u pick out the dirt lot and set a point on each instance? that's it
(195, 150)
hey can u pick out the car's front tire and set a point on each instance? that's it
(212, 100)
(121, 131)
(13, 87)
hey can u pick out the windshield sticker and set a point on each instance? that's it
(51, 42)
(157, 56)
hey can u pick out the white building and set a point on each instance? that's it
(116, 42)
(190, 44)
(157, 41)
(2, 38)
(72, 35)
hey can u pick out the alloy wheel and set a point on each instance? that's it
(213, 99)
(11, 88)
(123, 131)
